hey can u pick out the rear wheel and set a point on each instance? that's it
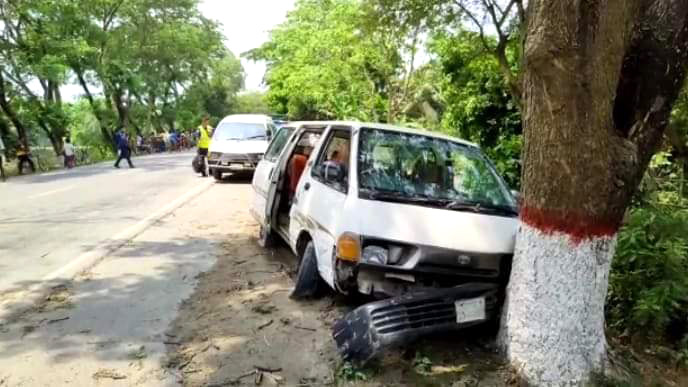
(307, 282)
(217, 174)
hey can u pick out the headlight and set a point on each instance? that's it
(214, 155)
(349, 247)
(375, 254)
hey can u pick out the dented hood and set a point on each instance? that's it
(451, 229)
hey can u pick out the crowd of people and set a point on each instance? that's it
(172, 141)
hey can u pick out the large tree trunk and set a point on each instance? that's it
(12, 115)
(599, 81)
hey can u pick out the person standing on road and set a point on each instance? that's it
(69, 153)
(124, 150)
(24, 156)
(205, 132)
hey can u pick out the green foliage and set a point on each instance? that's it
(321, 64)
(158, 64)
(422, 364)
(478, 106)
(347, 372)
(648, 287)
(252, 102)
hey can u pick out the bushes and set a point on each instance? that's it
(648, 285)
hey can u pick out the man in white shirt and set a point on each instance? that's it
(69, 153)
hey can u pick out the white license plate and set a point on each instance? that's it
(236, 166)
(470, 310)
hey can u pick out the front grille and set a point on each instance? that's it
(458, 270)
(397, 318)
(421, 314)
(241, 157)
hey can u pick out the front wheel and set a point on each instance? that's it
(307, 282)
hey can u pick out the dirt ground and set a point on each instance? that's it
(241, 328)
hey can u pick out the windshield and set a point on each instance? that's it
(427, 170)
(239, 131)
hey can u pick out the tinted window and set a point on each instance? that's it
(239, 131)
(279, 140)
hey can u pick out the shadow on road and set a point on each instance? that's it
(104, 316)
(153, 163)
(236, 178)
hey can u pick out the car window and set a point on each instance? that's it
(272, 129)
(416, 167)
(239, 131)
(279, 140)
(335, 154)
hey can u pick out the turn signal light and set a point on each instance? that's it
(349, 247)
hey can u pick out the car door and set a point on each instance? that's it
(264, 171)
(320, 202)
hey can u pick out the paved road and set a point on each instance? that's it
(49, 220)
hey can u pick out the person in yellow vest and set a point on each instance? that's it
(205, 132)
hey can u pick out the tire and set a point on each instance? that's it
(307, 282)
(266, 239)
(195, 164)
(217, 174)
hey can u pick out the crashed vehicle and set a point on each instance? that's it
(419, 220)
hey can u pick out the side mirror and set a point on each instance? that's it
(516, 194)
(268, 134)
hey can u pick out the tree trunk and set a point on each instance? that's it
(12, 115)
(599, 81)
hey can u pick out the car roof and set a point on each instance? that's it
(248, 118)
(373, 125)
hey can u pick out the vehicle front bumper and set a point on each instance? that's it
(364, 332)
(421, 268)
(230, 162)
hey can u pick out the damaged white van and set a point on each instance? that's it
(383, 210)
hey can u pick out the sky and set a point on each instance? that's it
(246, 24)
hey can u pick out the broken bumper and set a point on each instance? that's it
(362, 333)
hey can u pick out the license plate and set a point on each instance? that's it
(470, 310)
(236, 166)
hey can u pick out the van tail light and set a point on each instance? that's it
(349, 247)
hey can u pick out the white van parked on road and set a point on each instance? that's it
(383, 210)
(238, 143)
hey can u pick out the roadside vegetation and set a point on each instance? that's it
(142, 66)
(430, 65)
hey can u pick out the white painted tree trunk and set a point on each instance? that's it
(552, 327)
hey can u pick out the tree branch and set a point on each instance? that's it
(475, 21)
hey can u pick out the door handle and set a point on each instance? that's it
(307, 186)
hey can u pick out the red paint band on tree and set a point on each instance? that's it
(576, 225)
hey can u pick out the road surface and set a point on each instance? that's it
(189, 299)
(49, 220)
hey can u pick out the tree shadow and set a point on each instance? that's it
(148, 163)
(236, 178)
(103, 316)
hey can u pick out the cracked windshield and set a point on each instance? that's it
(357, 193)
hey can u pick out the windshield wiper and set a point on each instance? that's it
(401, 198)
(256, 136)
(478, 207)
